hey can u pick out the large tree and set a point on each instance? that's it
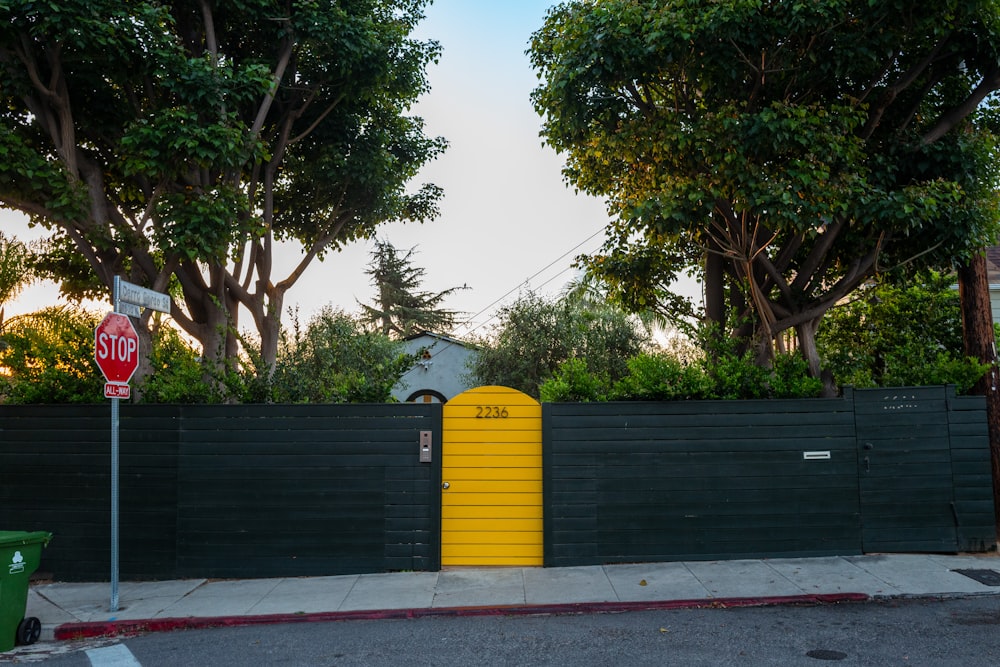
(401, 308)
(790, 150)
(175, 142)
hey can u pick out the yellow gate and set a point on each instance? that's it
(491, 472)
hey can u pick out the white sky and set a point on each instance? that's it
(508, 222)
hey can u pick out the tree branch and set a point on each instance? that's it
(818, 252)
(641, 101)
(317, 246)
(902, 83)
(990, 83)
(302, 135)
(284, 58)
(784, 256)
(859, 271)
(211, 43)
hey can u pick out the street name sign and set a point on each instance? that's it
(140, 296)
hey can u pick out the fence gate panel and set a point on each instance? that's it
(491, 472)
(904, 467)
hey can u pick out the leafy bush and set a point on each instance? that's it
(336, 360)
(663, 377)
(537, 335)
(660, 377)
(48, 357)
(947, 368)
(790, 378)
(737, 376)
(895, 335)
(332, 360)
(574, 382)
(177, 374)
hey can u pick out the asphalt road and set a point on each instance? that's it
(922, 632)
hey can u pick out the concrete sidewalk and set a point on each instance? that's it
(72, 610)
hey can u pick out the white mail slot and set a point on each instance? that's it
(816, 456)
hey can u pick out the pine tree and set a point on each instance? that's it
(401, 309)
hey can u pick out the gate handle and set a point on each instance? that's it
(868, 467)
(446, 485)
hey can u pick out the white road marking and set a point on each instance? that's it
(112, 656)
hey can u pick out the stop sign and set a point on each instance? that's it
(116, 348)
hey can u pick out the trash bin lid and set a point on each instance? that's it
(13, 538)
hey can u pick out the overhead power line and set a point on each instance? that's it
(527, 281)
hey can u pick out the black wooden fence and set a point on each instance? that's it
(875, 471)
(924, 471)
(255, 491)
(225, 491)
(626, 482)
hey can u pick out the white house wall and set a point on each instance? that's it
(442, 373)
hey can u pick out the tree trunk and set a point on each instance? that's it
(270, 333)
(145, 368)
(715, 294)
(215, 334)
(806, 334)
(979, 342)
(714, 287)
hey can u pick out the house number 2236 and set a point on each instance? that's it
(491, 412)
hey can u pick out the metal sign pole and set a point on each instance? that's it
(114, 477)
(116, 347)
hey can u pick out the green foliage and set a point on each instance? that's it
(899, 335)
(177, 374)
(947, 368)
(536, 335)
(180, 140)
(401, 309)
(201, 223)
(59, 260)
(48, 357)
(335, 360)
(737, 376)
(798, 149)
(573, 382)
(790, 378)
(662, 376)
(677, 374)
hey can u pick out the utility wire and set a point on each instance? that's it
(452, 338)
(527, 281)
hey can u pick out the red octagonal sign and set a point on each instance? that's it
(116, 348)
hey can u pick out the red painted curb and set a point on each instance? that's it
(93, 629)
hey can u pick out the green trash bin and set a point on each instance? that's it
(20, 554)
